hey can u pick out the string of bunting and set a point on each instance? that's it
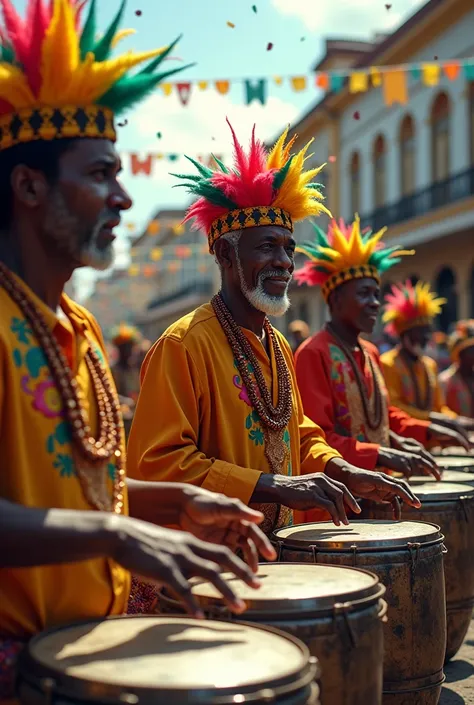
(394, 81)
(142, 164)
(170, 258)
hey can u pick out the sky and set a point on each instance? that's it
(297, 30)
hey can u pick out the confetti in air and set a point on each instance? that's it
(124, 123)
(303, 39)
(356, 115)
(231, 25)
(387, 7)
(138, 13)
(269, 46)
(332, 159)
(158, 134)
(254, 8)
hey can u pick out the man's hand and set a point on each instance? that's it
(170, 558)
(466, 423)
(316, 491)
(375, 486)
(446, 436)
(453, 424)
(419, 462)
(225, 521)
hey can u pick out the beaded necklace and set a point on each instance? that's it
(91, 455)
(373, 418)
(274, 419)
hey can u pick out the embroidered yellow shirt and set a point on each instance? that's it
(402, 391)
(194, 421)
(37, 470)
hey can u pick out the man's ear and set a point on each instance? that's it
(224, 253)
(29, 186)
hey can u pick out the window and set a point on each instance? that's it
(440, 138)
(407, 156)
(379, 158)
(355, 183)
(446, 288)
(471, 119)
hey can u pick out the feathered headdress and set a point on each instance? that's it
(345, 253)
(262, 188)
(409, 306)
(125, 334)
(461, 338)
(58, 79)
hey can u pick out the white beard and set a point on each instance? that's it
(258, 297)
(91, 255)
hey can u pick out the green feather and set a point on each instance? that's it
(191, 177)
(132, 89)
(321, 237)
(7, 54)
(319, 268)
(149, 68)
(212, 194)
(103, 47)
(204, 170)
(366, 237)
(389, 263)
(280, 175)
(87, 41)
(315, 187)
(220, 164)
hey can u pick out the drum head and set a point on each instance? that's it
(166, 659)
(293, 588)
(457, 476)
(363, 534)
(456, 463)
(440, 491)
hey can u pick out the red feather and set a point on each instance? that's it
(308, 274)
(37, 22)
(15, 29)
(204, 214)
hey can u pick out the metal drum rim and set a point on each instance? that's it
(466, 492)
(361, 545)
(35, 674)
(316, 606)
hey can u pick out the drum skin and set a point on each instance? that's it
(346, 639)
(415, 631)
(455, 516)
(152, 660)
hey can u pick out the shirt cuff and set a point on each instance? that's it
(232, 480)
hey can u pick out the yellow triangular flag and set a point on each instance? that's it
(278, 80)
(376, 76)
(395, 89)
(358, 82)
(298, 83)
(431, 74)
(167, 88)
(202, 85)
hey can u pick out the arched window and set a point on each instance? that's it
(471, 119)
(440, 138)
(379, 159)
(355, 183)
(407, 156)
(446, 288)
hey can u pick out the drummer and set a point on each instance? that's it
(233, 420)
(338, 372)
(411, 376)
(126, 340)
(457, 382)
(66, 544)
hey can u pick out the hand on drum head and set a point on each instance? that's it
(375, 486)
(415, 462)
(448, 431)
(225, 521)
(170, 558)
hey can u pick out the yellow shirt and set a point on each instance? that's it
(194, 422)
(402, 391)
(37, 470)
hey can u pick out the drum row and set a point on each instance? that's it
(352, 615)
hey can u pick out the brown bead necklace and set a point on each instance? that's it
(373, 417)
(91, 455)
(274, 419)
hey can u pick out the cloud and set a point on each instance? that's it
(352, 18)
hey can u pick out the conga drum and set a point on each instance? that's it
(151, 660)
(466, 463)
(408, 559)
(450, 506)
(337, 612)
(456, 476)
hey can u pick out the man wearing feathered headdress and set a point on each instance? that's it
(61, 435)
(338, 372)
(412, 376)
(231, 418)
(457, 382)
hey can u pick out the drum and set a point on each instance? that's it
(465, 464)
(337, 612)
(451, 506)
(456, 476)
(408, 559)
(154, 660)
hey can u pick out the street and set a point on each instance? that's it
(459, 686)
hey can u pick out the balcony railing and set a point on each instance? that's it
(441, 193)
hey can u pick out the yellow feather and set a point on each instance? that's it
(60, 53)
(275, 158)
(122, 35)
(14, 88)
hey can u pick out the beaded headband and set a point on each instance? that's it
(264, 188)
(58, 79)
(346, 275)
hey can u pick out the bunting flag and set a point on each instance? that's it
(144, 164)
(394, 80)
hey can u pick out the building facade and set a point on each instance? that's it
(409, 167)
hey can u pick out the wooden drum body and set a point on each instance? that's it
(450, 506)
(408, 559)
(337, 612)
(150, 660)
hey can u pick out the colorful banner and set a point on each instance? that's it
(394, 81)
